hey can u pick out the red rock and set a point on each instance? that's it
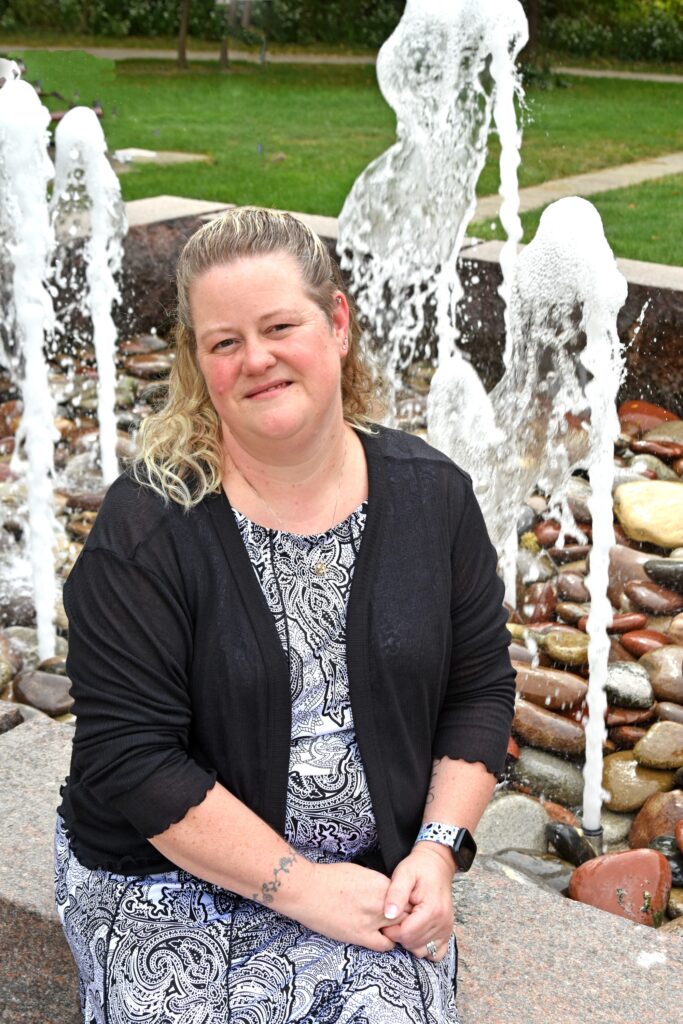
(677, 466)
(642, 641)
(569, 553)
(653, 598)
(537, 727)
(629, 716)
(556, 812)
(513, 748)
(625, 737)
(547, 532)
(662, 449)
(634, 884)
(549, 687)
(153, 364)
(667, 711)
(620, 623)
(678, 832)
(625, 564)
(643, 415)
(571, 587)
(617, 652)
(658, 816)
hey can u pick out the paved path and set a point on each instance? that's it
(131, 53)
(633, 76)
(537, 196)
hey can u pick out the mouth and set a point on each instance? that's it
(266, 390)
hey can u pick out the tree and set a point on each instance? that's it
(182, 32)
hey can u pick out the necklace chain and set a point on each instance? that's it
(319, 567)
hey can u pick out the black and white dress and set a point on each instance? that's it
(170, 948)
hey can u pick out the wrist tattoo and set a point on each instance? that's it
(268, 889)
(430, 792)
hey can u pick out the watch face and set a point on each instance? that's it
(464, 850)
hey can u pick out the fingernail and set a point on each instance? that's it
(391, 912)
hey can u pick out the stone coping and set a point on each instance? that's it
(526, 956)
(160, 208)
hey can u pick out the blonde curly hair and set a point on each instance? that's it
(179, 451)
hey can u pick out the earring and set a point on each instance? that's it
(345, 344)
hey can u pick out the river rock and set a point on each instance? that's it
(548, 775)
(676, 629)
(646, 462)
(570, 843)
(665, 670)
(154, 364)
(674, 907)
(617, 652)
(666, 571)
(512, 819)
(518, 652)
(563, 644)
(578, 495)
(615, 829)
(661, 747)
(629, 784)
(10, 715)
(667, 845)
(644, 415)
(571, 587)
(525, 520)
(634, 884)
(547, 867)
(538, 727)
(678, 832)
(670, 431)
(571, 612)
(143, 344)
(658, 816)
(629, 716)
(24, 643)
(653, 598)
(550, 687)
(641, 641)
(625, 737)
(651, 511)
(48, 693)
(669, 712)
(628, 685)
(625, 564)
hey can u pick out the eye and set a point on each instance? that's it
(281, 327)
(223, 343)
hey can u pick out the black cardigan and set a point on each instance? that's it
(179, 677)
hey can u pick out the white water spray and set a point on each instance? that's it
(27, 241)
(445, 68)
(83, 175)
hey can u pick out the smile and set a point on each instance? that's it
(269, 389)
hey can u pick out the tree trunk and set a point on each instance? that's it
(533, 14)
(246, 15)
(224, 59)
(232, 16)
(182, 32)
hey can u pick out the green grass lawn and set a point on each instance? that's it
(644, 222)
(297, 136)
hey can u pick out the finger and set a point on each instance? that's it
(419, 927)
(423, 953)
(397, 899)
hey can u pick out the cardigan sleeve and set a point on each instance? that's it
(476, 716)
(130, 642)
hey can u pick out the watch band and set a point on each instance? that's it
(455, 837)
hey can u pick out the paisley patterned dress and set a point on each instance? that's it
(170, 948)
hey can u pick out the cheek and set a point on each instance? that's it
(218, 377)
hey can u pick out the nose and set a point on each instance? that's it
(257, 357)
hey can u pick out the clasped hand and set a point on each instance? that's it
(354, 904)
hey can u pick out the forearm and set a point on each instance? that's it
(458, 792)
(222, 841)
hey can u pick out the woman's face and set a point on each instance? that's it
(270, 359)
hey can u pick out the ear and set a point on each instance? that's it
(340, 321)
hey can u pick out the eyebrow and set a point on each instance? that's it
(226, 329)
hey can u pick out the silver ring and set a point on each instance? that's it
(432, 949)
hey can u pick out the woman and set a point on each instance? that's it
(288, 651)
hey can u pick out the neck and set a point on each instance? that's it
(286, 466)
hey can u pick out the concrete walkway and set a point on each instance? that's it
(591, 183)
(633, 76)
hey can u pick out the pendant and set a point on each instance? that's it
(319, 568)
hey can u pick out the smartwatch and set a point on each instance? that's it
(459, 840)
